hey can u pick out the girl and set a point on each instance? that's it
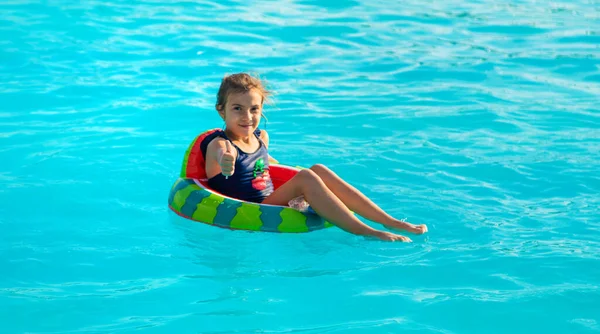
(237, 164)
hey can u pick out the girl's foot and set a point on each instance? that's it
(406, 226)
(387, 236)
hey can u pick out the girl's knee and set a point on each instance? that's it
(318, 168)
(309, 176)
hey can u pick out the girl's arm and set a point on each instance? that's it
(272, 160)
(264, 136)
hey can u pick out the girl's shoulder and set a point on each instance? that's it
(263, 135)
(209, 140)
(216, 142)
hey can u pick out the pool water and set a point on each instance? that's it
(480, 119)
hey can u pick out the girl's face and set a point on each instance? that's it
(242, 113)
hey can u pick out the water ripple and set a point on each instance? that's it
(479, 119)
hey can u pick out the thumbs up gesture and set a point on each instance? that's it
(227, 161)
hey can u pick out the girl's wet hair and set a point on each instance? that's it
(239, 83)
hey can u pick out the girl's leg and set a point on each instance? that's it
(359, 203)
(308, 184)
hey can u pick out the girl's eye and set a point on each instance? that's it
(237, 108)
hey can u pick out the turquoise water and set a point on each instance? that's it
(479, 119)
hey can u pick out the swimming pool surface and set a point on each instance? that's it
(480, 119)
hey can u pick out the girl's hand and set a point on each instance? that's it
(227, 161)
(387, 236)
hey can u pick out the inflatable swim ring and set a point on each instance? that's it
(191, 198)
